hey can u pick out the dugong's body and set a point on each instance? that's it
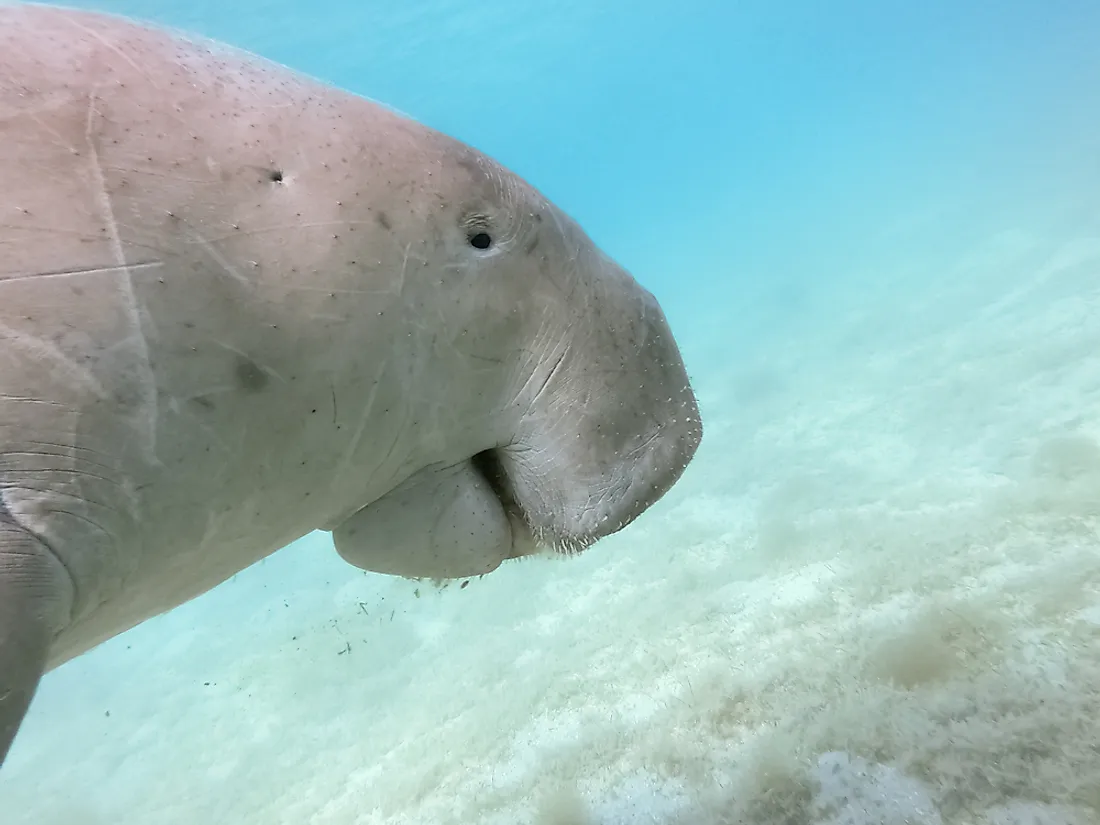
(237, 305)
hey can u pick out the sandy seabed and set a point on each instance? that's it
(874, 598)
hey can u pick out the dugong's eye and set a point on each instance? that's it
(477, 227)
(480, 240)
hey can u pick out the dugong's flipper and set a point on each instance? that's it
(441, 523)
(35, 598)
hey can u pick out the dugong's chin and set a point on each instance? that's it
(442, 523)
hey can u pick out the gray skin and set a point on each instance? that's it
(237, 305)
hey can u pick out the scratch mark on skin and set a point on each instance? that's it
(332, 291)
(361, 427)
(536, 355)
(336, 319)
(46, 351)
(176, 400)
(548, 378)
(53, 230)
(214, 435)
(404, 269)
(405, 265)
(267, 230)
(54, 134)
(72, 273)
(382, 468)
(220, 259)
(163, 175)
(22, 399)
(126, 281)
(111, 47)
(214, 526)
(249, 358)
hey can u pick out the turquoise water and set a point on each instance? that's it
(875, 228)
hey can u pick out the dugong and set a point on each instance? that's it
(238, 305)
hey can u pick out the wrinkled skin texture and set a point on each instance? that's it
(237, 305)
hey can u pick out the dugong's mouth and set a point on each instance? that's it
(526, 541)
(509, 502)
(448, 522)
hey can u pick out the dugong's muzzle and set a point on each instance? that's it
(614, 429)
(607, 430)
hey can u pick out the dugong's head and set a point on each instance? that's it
(512, 387)
(567, 408)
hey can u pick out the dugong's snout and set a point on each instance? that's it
(605, 425)
(563, 404)
(612, 428)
